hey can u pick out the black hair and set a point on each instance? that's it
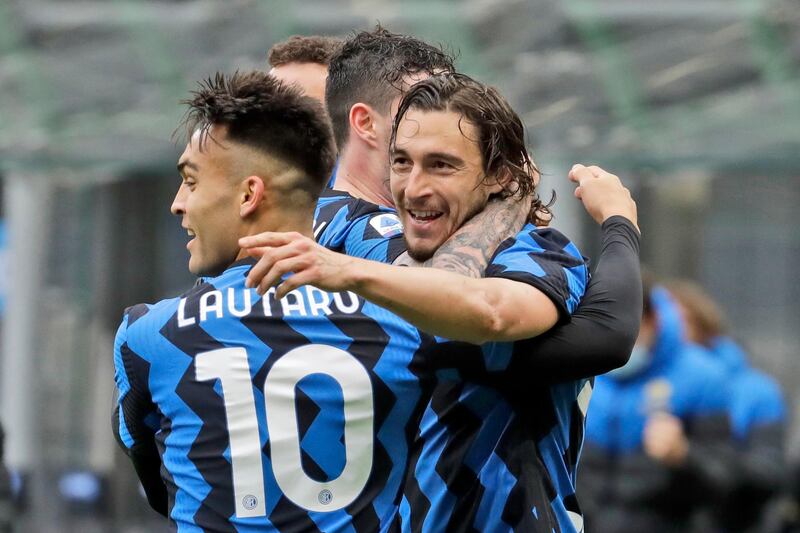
(261, 112)
(370, 67)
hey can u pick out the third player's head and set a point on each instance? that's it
(365, 81)
(303, 60)
(258, 155)
(455, 144)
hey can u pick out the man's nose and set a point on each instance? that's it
(418, 184)
(177, 207)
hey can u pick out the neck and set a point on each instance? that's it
(362, 173)
(299, 220)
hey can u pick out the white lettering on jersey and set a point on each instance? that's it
(312, 301)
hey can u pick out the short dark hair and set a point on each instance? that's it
(317, 49)
(501, 134)
(261, 112)
(370, 68)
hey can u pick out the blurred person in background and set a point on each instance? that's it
(303, 60)
(658, 434)
(757, 411)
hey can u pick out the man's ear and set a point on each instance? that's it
(252, 195)
(363, 123)
(498, 183)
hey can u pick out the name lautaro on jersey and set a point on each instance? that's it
(241, 302)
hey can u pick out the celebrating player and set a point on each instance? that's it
(267, 413)
(488, 451)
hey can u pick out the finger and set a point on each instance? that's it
(268, 238)
(257, 253)
(596, 171)
(572, 172)
(280, 269)
(579, 174)
(269, 257)
(578, 192)
(293, 282)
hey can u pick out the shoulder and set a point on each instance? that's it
(338, 211)
(547, 259)
(532, 245)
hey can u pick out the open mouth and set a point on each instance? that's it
(425, 216)
(192, 235)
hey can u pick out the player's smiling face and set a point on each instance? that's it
(436, 178)
(208, 204)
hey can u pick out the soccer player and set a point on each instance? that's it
(303, 60)
(268, 414)
(493, 452)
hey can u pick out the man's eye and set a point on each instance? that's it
(400, 162)
(441, 165)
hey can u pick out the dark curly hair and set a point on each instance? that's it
(261, 112)
(501, 134)
(370, 68)
(304, 49)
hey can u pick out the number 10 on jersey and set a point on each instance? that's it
(232, 368)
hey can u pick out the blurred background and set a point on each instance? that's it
(695, 104)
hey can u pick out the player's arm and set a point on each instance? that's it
(604, 327)
(439, 302)
(130, 424)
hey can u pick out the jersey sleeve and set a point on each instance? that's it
(135, 417)
(605, 325)
(545, 259)
(135, 420)
(359, 229)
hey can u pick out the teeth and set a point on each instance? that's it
(424, 214)
(190, 232)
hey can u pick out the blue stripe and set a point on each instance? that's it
(393, 367)
(430, 483)
(121, 379)
(165, 375)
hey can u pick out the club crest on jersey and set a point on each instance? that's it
(388, 225)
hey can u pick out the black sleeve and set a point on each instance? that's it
(605, 325)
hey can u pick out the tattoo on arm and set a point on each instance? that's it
(468, 250)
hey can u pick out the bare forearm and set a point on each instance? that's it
(454, 306)
(437, 302)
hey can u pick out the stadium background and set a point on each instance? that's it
(694, 103)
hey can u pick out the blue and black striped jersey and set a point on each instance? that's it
(358, 228)
(490, 456)
(289, 415)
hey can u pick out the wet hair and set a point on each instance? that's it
(304, 49)
(276, 118)
(501, 134)
(370, 68)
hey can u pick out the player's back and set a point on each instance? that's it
(288, 415)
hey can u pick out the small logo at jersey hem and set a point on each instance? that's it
(325, 497)
(249, 502)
